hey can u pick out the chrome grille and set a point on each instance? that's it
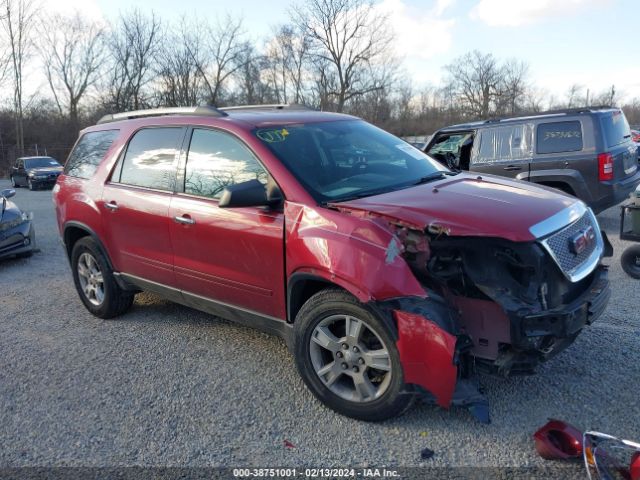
(576, 266)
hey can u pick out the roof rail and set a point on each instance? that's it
(560, 111)
(155, 112)
(275, 106)
(578, 109)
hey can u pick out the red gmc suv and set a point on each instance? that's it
(387, 275)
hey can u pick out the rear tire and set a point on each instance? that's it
(630, 261)
(95, 283)
(348, 357)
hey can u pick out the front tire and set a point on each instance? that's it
(630, 261)
(30, 184)
(347, 356)
(95, 283)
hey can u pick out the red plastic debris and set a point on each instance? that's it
(557, 440)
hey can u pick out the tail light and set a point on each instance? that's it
(557, 440)
(605, 167)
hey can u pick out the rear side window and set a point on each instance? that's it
(88, 153)
(616, 128)
(217, 160)
(557, 137)
(507, 142)
(150, 159)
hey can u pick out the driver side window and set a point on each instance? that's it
(217, 160)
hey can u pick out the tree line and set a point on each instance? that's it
(334, 55)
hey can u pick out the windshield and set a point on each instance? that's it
(40, 162)
(346, 159)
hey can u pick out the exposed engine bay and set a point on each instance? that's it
(511, 300)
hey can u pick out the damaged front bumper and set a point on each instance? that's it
(442, 348)
(535, 338)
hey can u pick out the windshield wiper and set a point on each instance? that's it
(436, 176)
(371, 193)
(367, 193)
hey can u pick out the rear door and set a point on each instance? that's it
(233, 256)
(504, 150)
(135, 205)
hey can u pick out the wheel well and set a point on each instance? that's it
(565, 187)
(301, 288)
(71, 236)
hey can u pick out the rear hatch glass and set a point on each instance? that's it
(616, 128)
(618, 134)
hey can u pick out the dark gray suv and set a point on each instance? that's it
(585, 152)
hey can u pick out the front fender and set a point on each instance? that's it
(361, 255)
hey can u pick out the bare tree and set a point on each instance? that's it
(476, 78)
(18, 18)
(535, 100)
(608, 97)
(179, 80)
(218, 55)
(375, 107)
(513, 87)
(287, 54)
(134, 45)
(251, 89)
(73, 54)
(348, 40)
(575, 96)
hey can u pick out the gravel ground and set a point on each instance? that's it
(166, 385)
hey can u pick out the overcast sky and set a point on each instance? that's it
(564, 41)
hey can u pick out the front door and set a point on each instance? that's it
(135, 205)
(233, 256)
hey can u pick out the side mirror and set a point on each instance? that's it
(246, 194)
(8, 193)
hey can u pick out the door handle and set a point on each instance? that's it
(512, 168)
(185, 220)
(113, 206)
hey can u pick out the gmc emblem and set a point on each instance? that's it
(581, 240)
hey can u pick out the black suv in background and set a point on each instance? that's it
(35, 172)
(586, 152)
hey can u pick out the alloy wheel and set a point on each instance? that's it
(350, 358)
(91, 279)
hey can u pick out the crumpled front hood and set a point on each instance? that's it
(467, 206)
